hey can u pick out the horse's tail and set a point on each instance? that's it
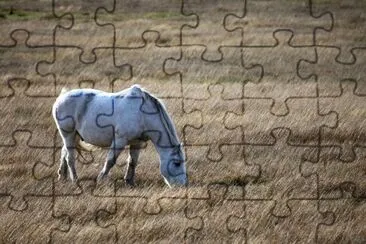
(81, 145)
(64, 90)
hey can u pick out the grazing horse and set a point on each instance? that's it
(114, 120)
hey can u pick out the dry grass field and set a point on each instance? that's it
(268, 98)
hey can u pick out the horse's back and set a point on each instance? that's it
(97, 114)
(78, 100)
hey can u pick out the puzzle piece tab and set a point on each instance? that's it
(330, 73)
(82, 210)
(36, 18)
(261, 226)
(303, 223)
(279, 180)
(220, 218)
(349, 219)
(232, 170)
(197, 74)
(82, 21)
(23, 112)
(163, 17)
(218, 35)
(19, 64)
(132, 224)
(66, 62)
(147, 66)
(335, 176)
(280, 80)
(180, 117)
(350, 131)
(212, 133)
(16, 164)
(34, 224)
(262, 18)
(348, 28)
(303, 119)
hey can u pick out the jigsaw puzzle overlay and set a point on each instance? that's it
(268, 98)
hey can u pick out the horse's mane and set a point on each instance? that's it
(166, 119)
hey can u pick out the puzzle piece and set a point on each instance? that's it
(150, 75)
(348, 30)
(279, 180)
(35, 224)
(349, 217)
(232, 170)
(335, 176)
(198, 74)
(82, 210)
(16, 162)
(23, 112)
(218, 35)
(132, 224)
(212, 133)
(216, 213)
(280, 80)
(350, 115)
(81, 17)
(303, 119)
(266, 17)
(180, 117)
(256, 220)
(329, 72)
(66, 62)
(19, 64)
(303, 223)
(163, 17)
(37, 18)
(260, 226)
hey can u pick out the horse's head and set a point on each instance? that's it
(173, 167)
(162, 132)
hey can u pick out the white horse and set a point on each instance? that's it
(115, 120)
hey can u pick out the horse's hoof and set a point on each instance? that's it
(101, 177)
(75, 181)
(130, 182)
(62, 178)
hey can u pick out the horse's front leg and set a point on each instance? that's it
(62, 171)
(69, 146)
(131, 163)
(114, 151)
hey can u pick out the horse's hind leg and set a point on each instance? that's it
(69, 144)
(113, 153)
(131, 163)
(62, 171)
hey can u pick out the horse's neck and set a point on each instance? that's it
(164, 134)
(160, 134)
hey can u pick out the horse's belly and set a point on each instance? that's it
(95, 135)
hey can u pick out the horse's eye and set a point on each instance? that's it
(177, 163)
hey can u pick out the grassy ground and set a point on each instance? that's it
(268, 105)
